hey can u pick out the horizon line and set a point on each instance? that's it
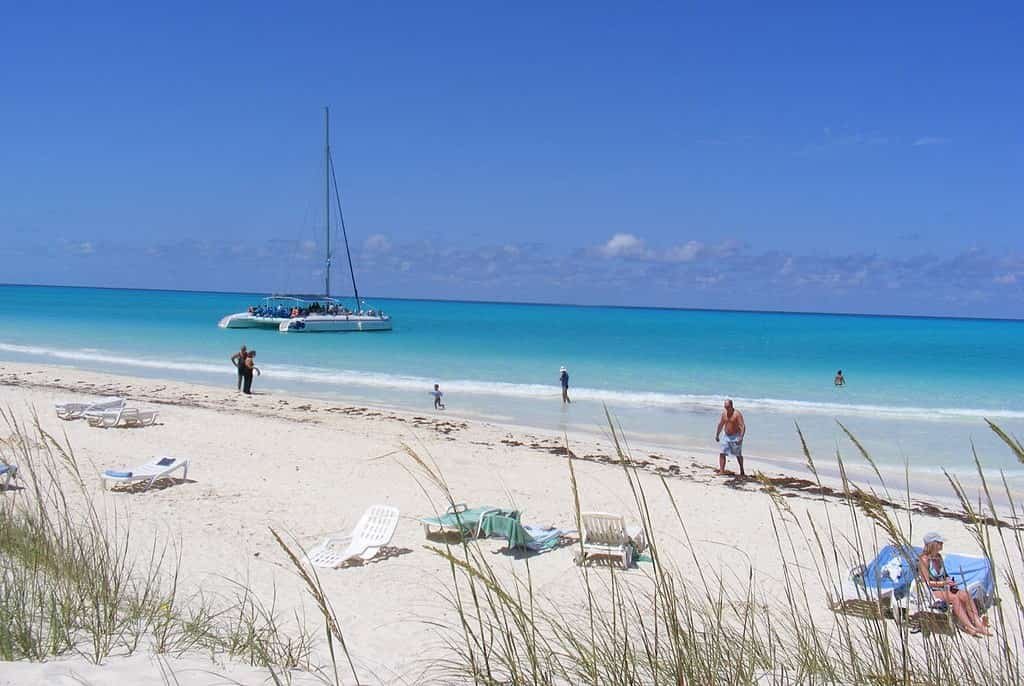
(545, 304)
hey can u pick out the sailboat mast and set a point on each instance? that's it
(344, 233)
(327, 198)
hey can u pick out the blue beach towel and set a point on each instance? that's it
(893, 570)
(118, 475)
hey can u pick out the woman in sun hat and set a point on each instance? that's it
(931, 570)
(563, 378)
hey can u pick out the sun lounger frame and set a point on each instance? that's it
(432, 527)
(76, 410)
(127, 416)
(605, 535)
(148, 472)
(374, 530)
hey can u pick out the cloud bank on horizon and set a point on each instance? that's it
(624, 269)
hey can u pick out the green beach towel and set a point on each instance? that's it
(465, 521)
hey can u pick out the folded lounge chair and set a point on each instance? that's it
(519, 536)
(460, 520)
(122, 416)
(374, 531)
(606, 535)
(149, 472)
(76, 410)
(8, 472)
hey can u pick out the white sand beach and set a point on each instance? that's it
(308, 468)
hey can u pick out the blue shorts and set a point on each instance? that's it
(731, 445)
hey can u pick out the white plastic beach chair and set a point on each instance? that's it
(149, 472)
(122, 416)
(7, 472)
(76, 409)
(374, 530)
(606, 535)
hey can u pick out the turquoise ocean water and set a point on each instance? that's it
(918, 389)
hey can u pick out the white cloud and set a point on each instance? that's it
(84, 248)
(377, 242)
(1006, 279)
(930, 140)
(622, 245)
(687, 252)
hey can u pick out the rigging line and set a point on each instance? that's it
(344, 233)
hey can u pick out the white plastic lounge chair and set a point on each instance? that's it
(149, 472)
(374, 530)
(76, 410)
(606, 535)
(122, 416)
(7, 472)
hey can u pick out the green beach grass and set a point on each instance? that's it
(71, 587)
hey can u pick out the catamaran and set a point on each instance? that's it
(298, 313)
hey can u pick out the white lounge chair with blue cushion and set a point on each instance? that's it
(76, 409)
(157, 468)
(121, 416)
(373, 532)
(7, 472)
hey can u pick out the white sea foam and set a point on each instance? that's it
(615, 398)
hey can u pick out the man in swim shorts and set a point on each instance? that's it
(732, 442)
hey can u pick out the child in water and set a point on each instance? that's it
(438, 405)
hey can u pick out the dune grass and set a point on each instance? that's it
(672, 622)
(69, 583)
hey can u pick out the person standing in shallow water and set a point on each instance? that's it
(238, 359)
(840, 380)
(438, 405)
(563, 378)
(735, 430)
(250, 367)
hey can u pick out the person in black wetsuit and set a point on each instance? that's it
(238, 359)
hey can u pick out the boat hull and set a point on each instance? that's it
(335, 323)
(244, 320)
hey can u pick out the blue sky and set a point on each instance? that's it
(868, 159)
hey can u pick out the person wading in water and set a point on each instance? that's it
(563, 378)
(250, 367)
(238, 359)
